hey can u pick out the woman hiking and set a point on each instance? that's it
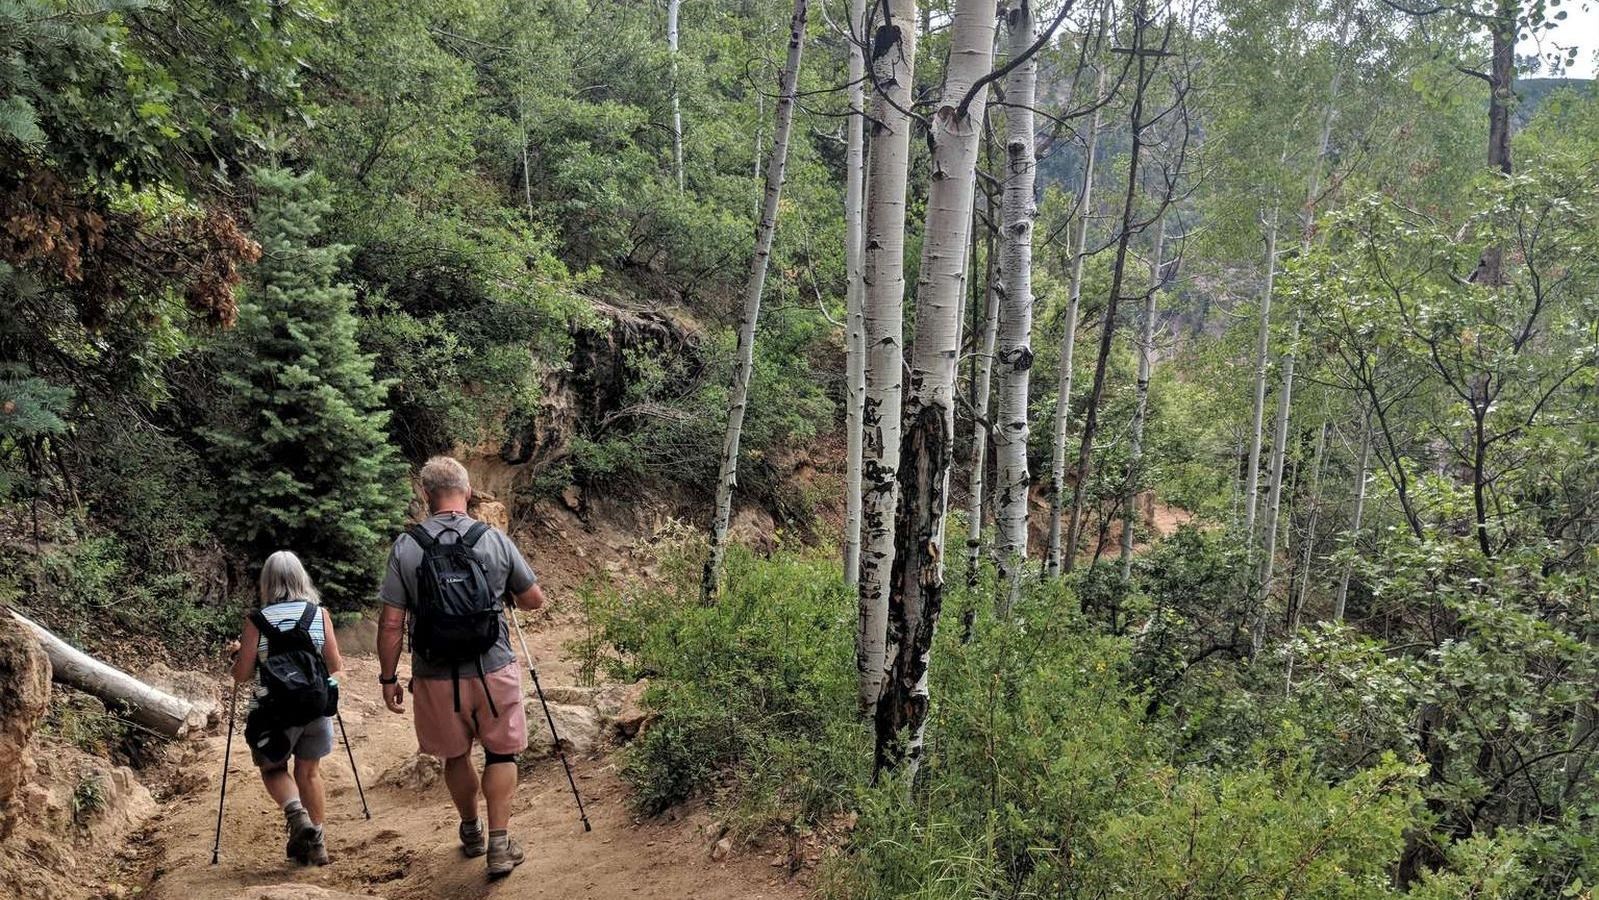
(289, 650)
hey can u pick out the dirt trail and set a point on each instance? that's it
(409, 850)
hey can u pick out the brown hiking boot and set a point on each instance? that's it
(474, 841)
(301, 832)
(505, 854)
(316, 851)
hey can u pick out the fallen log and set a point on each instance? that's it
(144, 705)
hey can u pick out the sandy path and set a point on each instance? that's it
(409, 850)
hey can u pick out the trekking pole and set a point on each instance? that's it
(353, 770)
(216, 848)
(550, 720)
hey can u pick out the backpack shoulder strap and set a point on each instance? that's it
(308, 617)
(424, 540)
(470, 539)
(263, 625)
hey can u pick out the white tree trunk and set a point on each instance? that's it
(1262, 348)
(1318, 464)
(1274, 493)
(156, 710)
(1017, 212)
(677, 112)
(744, 363)
(1135, 444)
(982, 373)
(1362, 470)
(883, 271)
(1068, 342)
(927, 444)
(1297, 604)
(855, 321)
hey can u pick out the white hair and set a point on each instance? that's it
(443, 474)
(284, 578)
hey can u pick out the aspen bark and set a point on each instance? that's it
(1318, 464)
(927, 446)
(1068, 342)
(1262, 348)
(855, 322)
(677, 111)
(1296, 603)
(1135, 445)
(1015, 294)
(982, 373)
(1274, 493)
(1363, 469)
(883, 273)
(744, 362)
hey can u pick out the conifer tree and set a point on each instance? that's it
(301, 434)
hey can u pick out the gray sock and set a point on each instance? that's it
(293, 806)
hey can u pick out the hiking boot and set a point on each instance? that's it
(301, 833)
(316, 851)
(505, 854)
(474, 840)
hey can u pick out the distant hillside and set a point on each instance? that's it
(1533, 91)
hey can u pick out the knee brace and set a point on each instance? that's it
(491, 758)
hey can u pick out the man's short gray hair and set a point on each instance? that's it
(443, 474)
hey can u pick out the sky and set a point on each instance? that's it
(1580, 28)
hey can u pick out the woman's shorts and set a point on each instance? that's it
(271, 748)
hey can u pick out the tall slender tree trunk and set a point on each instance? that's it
(1107, 334)
(1274, 493)
(855, 316)
(677, 111)
(1262, 345)
(744, 362)
(982, 372)
(927, 445)
(1285, 395)
(1296, 606)
(883, 271)
(1018, 210)
(1307, 557)
(1135, 445)
(1068, 340)
(1363, 469)
(1501, 98)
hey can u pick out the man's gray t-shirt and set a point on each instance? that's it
(507, 572)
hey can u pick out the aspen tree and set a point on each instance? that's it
(854, 322)
(744, 363)
(883, 273)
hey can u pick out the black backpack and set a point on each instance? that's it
(294, 675)
(456, 619)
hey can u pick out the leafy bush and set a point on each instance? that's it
(754, 693)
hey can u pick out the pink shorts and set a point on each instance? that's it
(443, 732)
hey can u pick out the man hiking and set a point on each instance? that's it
(288, 649)
(449, 576)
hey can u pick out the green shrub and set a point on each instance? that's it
(755, 695)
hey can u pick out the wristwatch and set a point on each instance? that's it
(389, 679)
